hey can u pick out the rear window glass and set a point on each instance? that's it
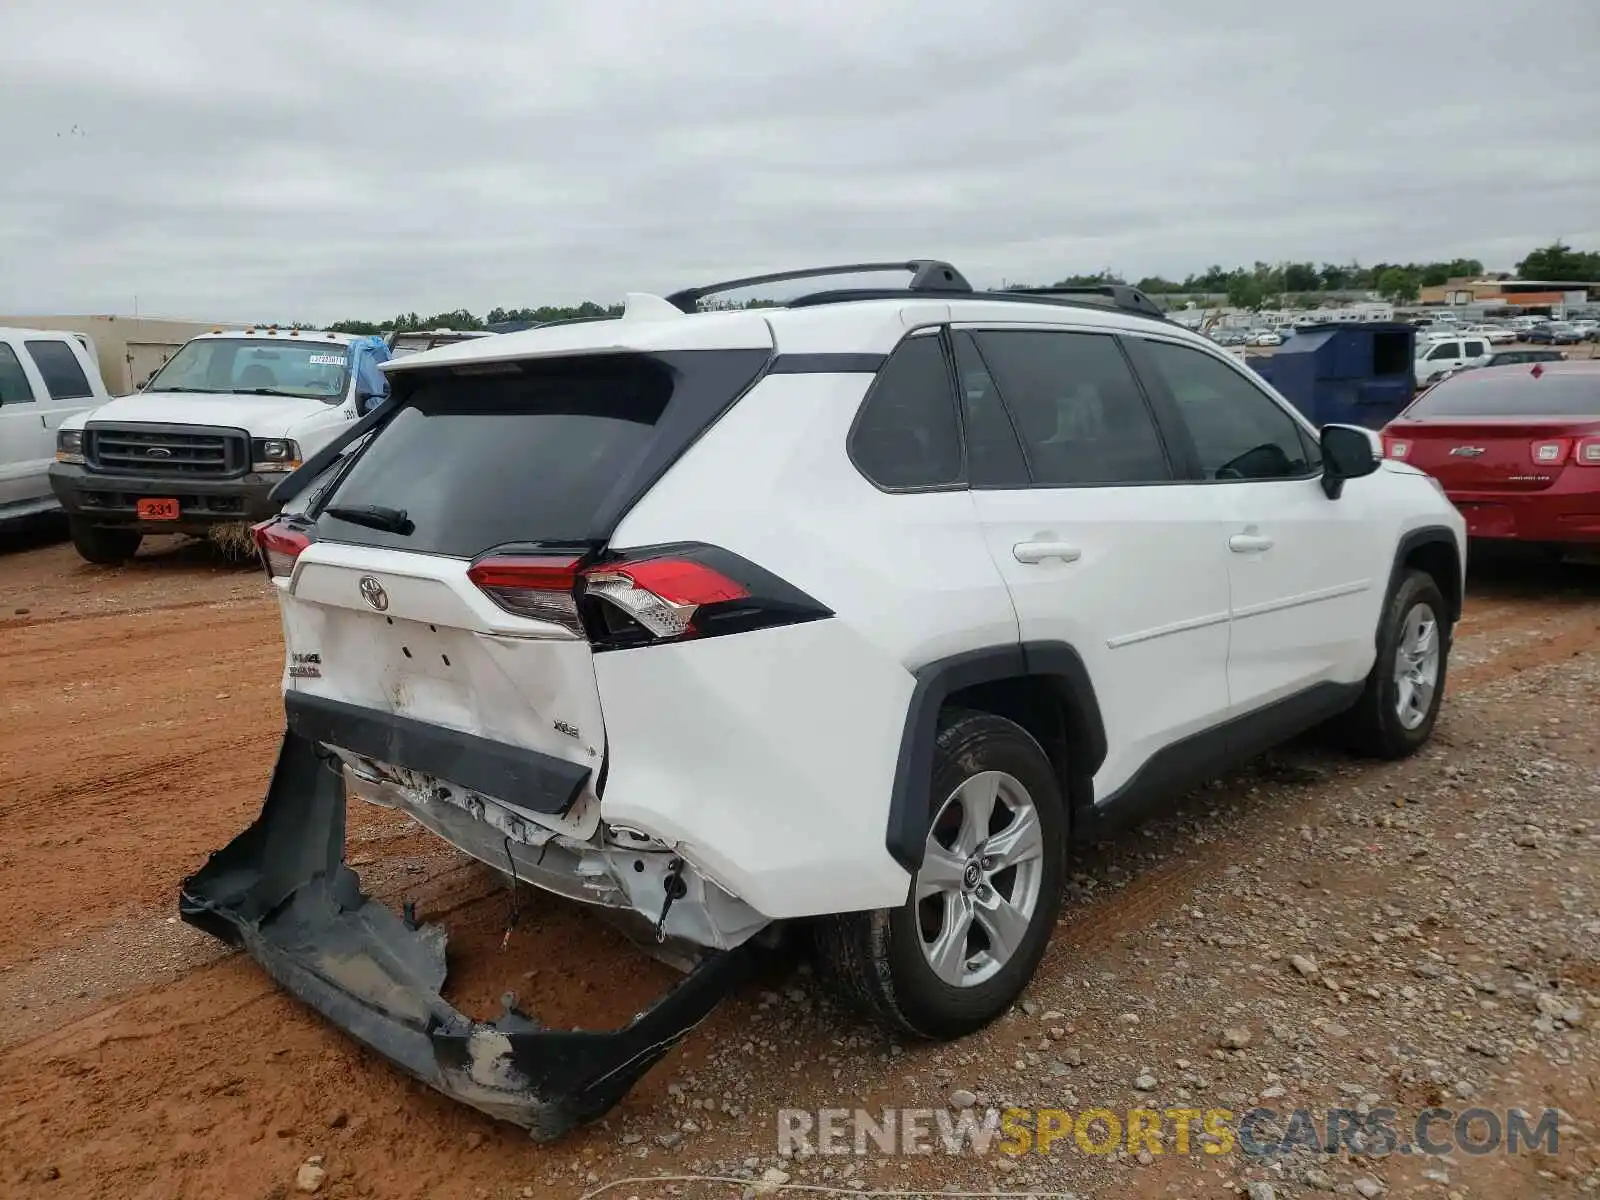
(480, 461)
(1512, 392)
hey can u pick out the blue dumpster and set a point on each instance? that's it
(1356, 374)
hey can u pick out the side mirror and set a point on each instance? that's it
(1348, 452)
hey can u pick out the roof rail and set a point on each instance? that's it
(927, 275)
(1122, 295)
(1137, 303)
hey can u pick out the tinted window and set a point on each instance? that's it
(1075, 403)
(479, 461)
(63, 377)
(905, 435)
(1239, 431)
(1474, 349)
(994, 459)
(1444, 350)
(1514, 392)
(14, 385)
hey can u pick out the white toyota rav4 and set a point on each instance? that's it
(851, 615)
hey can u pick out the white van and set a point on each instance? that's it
(210, 436)
(46, 376)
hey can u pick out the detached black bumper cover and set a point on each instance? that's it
(282, 892)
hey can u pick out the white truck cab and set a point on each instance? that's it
(46, 376)
(209, 437)
(1440, 353)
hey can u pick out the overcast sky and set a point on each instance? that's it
(315, 160)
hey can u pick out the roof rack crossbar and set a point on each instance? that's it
(1122, 295)
(927, 275)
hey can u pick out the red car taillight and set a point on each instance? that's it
(643, 597)
(1549, 452)
(1587, 452)
(280, 545)
(1396, 447)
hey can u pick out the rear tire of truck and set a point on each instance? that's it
(984, 901)
(106, 547)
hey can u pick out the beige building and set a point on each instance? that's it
(129, 349)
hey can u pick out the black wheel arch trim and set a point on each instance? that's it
(1429, 535)
(936, 681)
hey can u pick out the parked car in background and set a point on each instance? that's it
(1495, 335)
(1265, 337)
(46, 377)
(1516, 448)
(1587, 327)
(1438, 355)
(415, 341)
(1553, 333)
(204, 444)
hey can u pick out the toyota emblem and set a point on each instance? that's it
(372, 592)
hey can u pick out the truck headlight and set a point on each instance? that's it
(69, 445)
(273, 454)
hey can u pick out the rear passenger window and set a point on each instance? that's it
(14, 385)
(1076, 405)
(1239, 432)
(905, 435)
(994, 458)
(63, 377)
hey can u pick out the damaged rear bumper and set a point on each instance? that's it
(282, 892)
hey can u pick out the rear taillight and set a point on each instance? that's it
(539, 587)
(1396, 447)
(644, 597)
(1548, 453)
(662, 594)
(280, 544)
(1587, 452)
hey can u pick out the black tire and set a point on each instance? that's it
(875, 959)
(107, 547)
(1373, 727)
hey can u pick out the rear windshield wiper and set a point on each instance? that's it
(373, 516)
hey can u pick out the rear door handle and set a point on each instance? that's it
(1033, 552)
(1249, 543)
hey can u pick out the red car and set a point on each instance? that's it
(1517, 449)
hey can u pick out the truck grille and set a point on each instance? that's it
(167, 450)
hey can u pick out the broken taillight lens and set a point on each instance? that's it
(662, 594)
(643, 597)
(280, 544)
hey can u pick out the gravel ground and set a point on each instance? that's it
(1312, 932)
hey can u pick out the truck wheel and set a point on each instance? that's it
(1400, 704)
(982, 905)
(108, 547)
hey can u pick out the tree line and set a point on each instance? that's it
(1245, 287)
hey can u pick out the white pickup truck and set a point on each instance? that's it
(210, 435)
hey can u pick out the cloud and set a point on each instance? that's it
(302, 160)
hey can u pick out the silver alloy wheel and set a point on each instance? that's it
(978, 887)
(1416, 665)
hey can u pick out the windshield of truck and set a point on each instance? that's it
(271, 366)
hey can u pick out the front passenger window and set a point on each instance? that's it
(1239, 432)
